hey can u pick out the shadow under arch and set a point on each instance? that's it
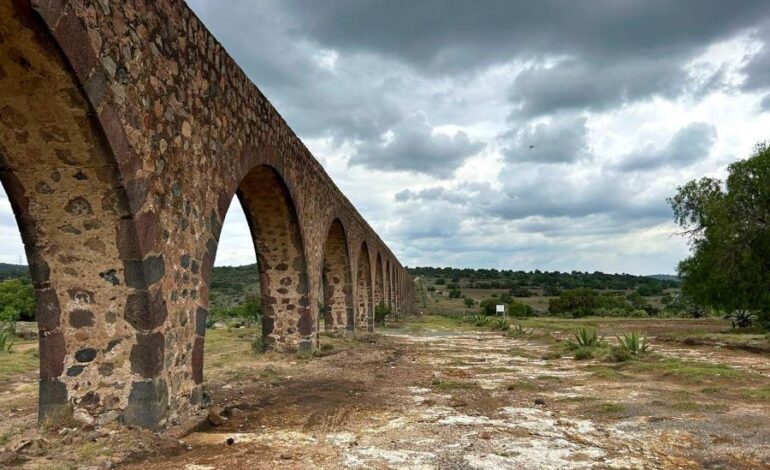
(287, 320)
(379, 281)
(336, 280)
(365, 314)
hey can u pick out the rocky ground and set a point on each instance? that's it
(431, 394)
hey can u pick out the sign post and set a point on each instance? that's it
(500, 309)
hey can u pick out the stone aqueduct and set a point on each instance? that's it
(125, 133)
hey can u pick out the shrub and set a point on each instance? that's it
(583, 353)
(518, 309)
(469, 302)
(454, 294)
(618, 354)
(381, 311)
(479, 320)
(577, 302)
(634, 343)
(440, 281)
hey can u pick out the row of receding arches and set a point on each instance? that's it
(353, 280)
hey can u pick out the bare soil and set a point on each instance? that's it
(431, 394)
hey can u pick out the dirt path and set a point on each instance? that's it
(474, 400)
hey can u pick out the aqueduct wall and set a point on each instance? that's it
(125, 133)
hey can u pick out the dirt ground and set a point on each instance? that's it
(430, 393)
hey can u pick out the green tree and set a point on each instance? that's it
(381, 311)
(455, 294)
(577, 302)
(469, 302)
(728, 226)
(17, 300)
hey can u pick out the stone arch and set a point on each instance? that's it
(98, 311)
(336, 280)
(287, 320)
(365, 317)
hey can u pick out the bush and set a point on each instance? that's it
(520, 291)
(381, 311)
(577, 302)
(440, 281)
(455, 294)
(469, 302)
(518, 309)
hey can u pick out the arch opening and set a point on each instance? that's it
(287, 320)
(365, 317)
(337, 289)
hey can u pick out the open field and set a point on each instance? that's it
(435, 393)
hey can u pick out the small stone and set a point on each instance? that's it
(539, 401)
(215, 416)
(108, 417)
(286, 457)
(230, 441)
(186, 129)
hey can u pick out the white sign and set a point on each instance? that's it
(500, 309)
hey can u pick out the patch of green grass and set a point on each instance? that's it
(272, 375)
(711, 389)
(551, 378)
(522, 385)
(520, 352)
(5, 437)
(695, 406)
(605, 373)
(693, 372)
(584, 353)
(457, 362)
(18, 362)
(450, 385)
(610, 408)
(762, 394)
(493, 370)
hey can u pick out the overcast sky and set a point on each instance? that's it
(519, 135)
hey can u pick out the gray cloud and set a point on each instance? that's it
(562, 140)
(452, 35)
(414, 147)
(686, 147)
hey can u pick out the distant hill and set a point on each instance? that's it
(665, 277)
(231, 284)
(13, 271)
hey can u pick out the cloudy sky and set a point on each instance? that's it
(526, 135)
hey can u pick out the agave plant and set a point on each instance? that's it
(479, 320)
(587, 337)
(634, 343)
(741, 318)
(519, 330)
(500, 324)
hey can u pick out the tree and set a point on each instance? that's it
(455, 294)
(577, 302)
(728, 226)
(17, 301)
(469, 302)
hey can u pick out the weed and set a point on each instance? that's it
(327, 347)
(500, 324)
(258, 345)
(550, 355)
(618, 354)
(606, 373)
(5, 342)
(59, 419)
(610, 408)
(518, 331)
(583, 353)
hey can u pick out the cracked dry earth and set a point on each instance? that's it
(457, 400)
